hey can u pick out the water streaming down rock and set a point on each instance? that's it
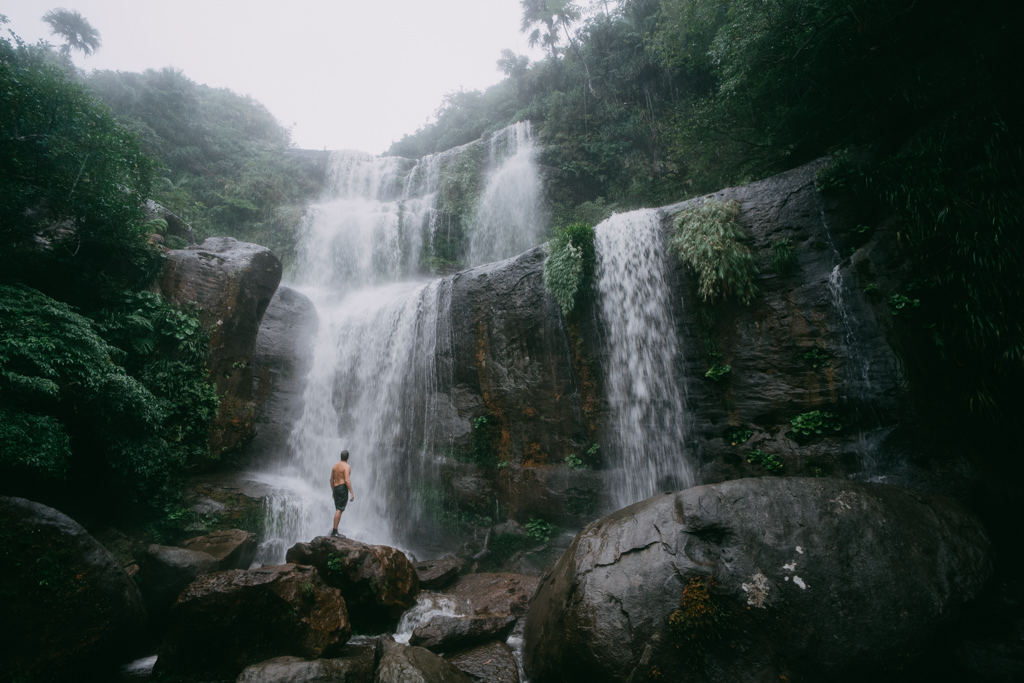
(509, 217)
(859, 393)
(646, 395)
(372, 387)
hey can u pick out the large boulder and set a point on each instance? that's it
(379, 582)
(233, 283)
(351, 669)
(225, 621)
(69, 608)
(757, 580)
(480, 607)
(231, 548)
(165, 571)
(436, 574)
(402, 664)
(493, 662)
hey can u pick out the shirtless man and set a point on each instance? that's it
(341, 486)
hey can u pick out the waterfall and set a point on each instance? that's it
(372, 388)
(646, 394)
(509, 218)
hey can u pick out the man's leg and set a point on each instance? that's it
(337, 518)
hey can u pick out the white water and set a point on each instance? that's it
(372, 386)
(509, 217)
(646, 395)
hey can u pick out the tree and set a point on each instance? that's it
(75, 29)
(553, 14)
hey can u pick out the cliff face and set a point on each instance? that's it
(232, 282)
(521, 417)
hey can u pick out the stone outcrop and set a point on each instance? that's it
(512, 364)
(379, 582)
(231, 548)
(164, 571)
(795, 579)
(403, 664)
(493, 662)
(280, 364)
(232, 282)
(436, 574)
(69, 608)
(226, 621)
(357, 668)
(482, 607)
(814, 338)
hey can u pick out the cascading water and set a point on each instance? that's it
(858, 383)
(646, 395)
(509, 219)
(372, 386)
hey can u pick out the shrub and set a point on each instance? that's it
(569, 267)
(710, 240)
(783, 258)
(769, 461)
(815, 423)
(540, 530)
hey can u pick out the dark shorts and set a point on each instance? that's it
(340, 496)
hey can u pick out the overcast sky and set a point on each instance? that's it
(341, 73)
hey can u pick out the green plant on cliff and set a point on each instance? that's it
(540, 530)
(815, 423)
(709, 239)
(783, 257)
(569, 267)
(769, 461)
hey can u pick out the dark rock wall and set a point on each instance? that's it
(232, 282)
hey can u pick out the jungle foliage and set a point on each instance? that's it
(103, 387)
(224, 164)
(648, 102)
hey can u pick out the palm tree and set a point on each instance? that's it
(552, 14)
(76, 30)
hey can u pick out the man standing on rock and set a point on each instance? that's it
(341, 486)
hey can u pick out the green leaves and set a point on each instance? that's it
(710, 240)
(569, 267)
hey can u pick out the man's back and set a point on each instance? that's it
(340, 474)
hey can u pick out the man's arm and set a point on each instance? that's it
(348, 482)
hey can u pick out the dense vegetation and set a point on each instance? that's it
(104, 398)
(224, 162)
(647, 102)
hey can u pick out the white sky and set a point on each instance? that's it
(342, 73)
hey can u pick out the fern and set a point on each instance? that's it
(710, 240)
(569, 267)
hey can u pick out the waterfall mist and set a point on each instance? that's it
(646, 395)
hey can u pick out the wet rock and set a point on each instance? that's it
(492, 662)
(69, 609)
(165, 571)
(280, 365)
(485, 606)
(436, 574)
(233, 283)
(226, 621)
(803, 579)
(354, 669)
(403, 664)
(231, 548)
(378, 582)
